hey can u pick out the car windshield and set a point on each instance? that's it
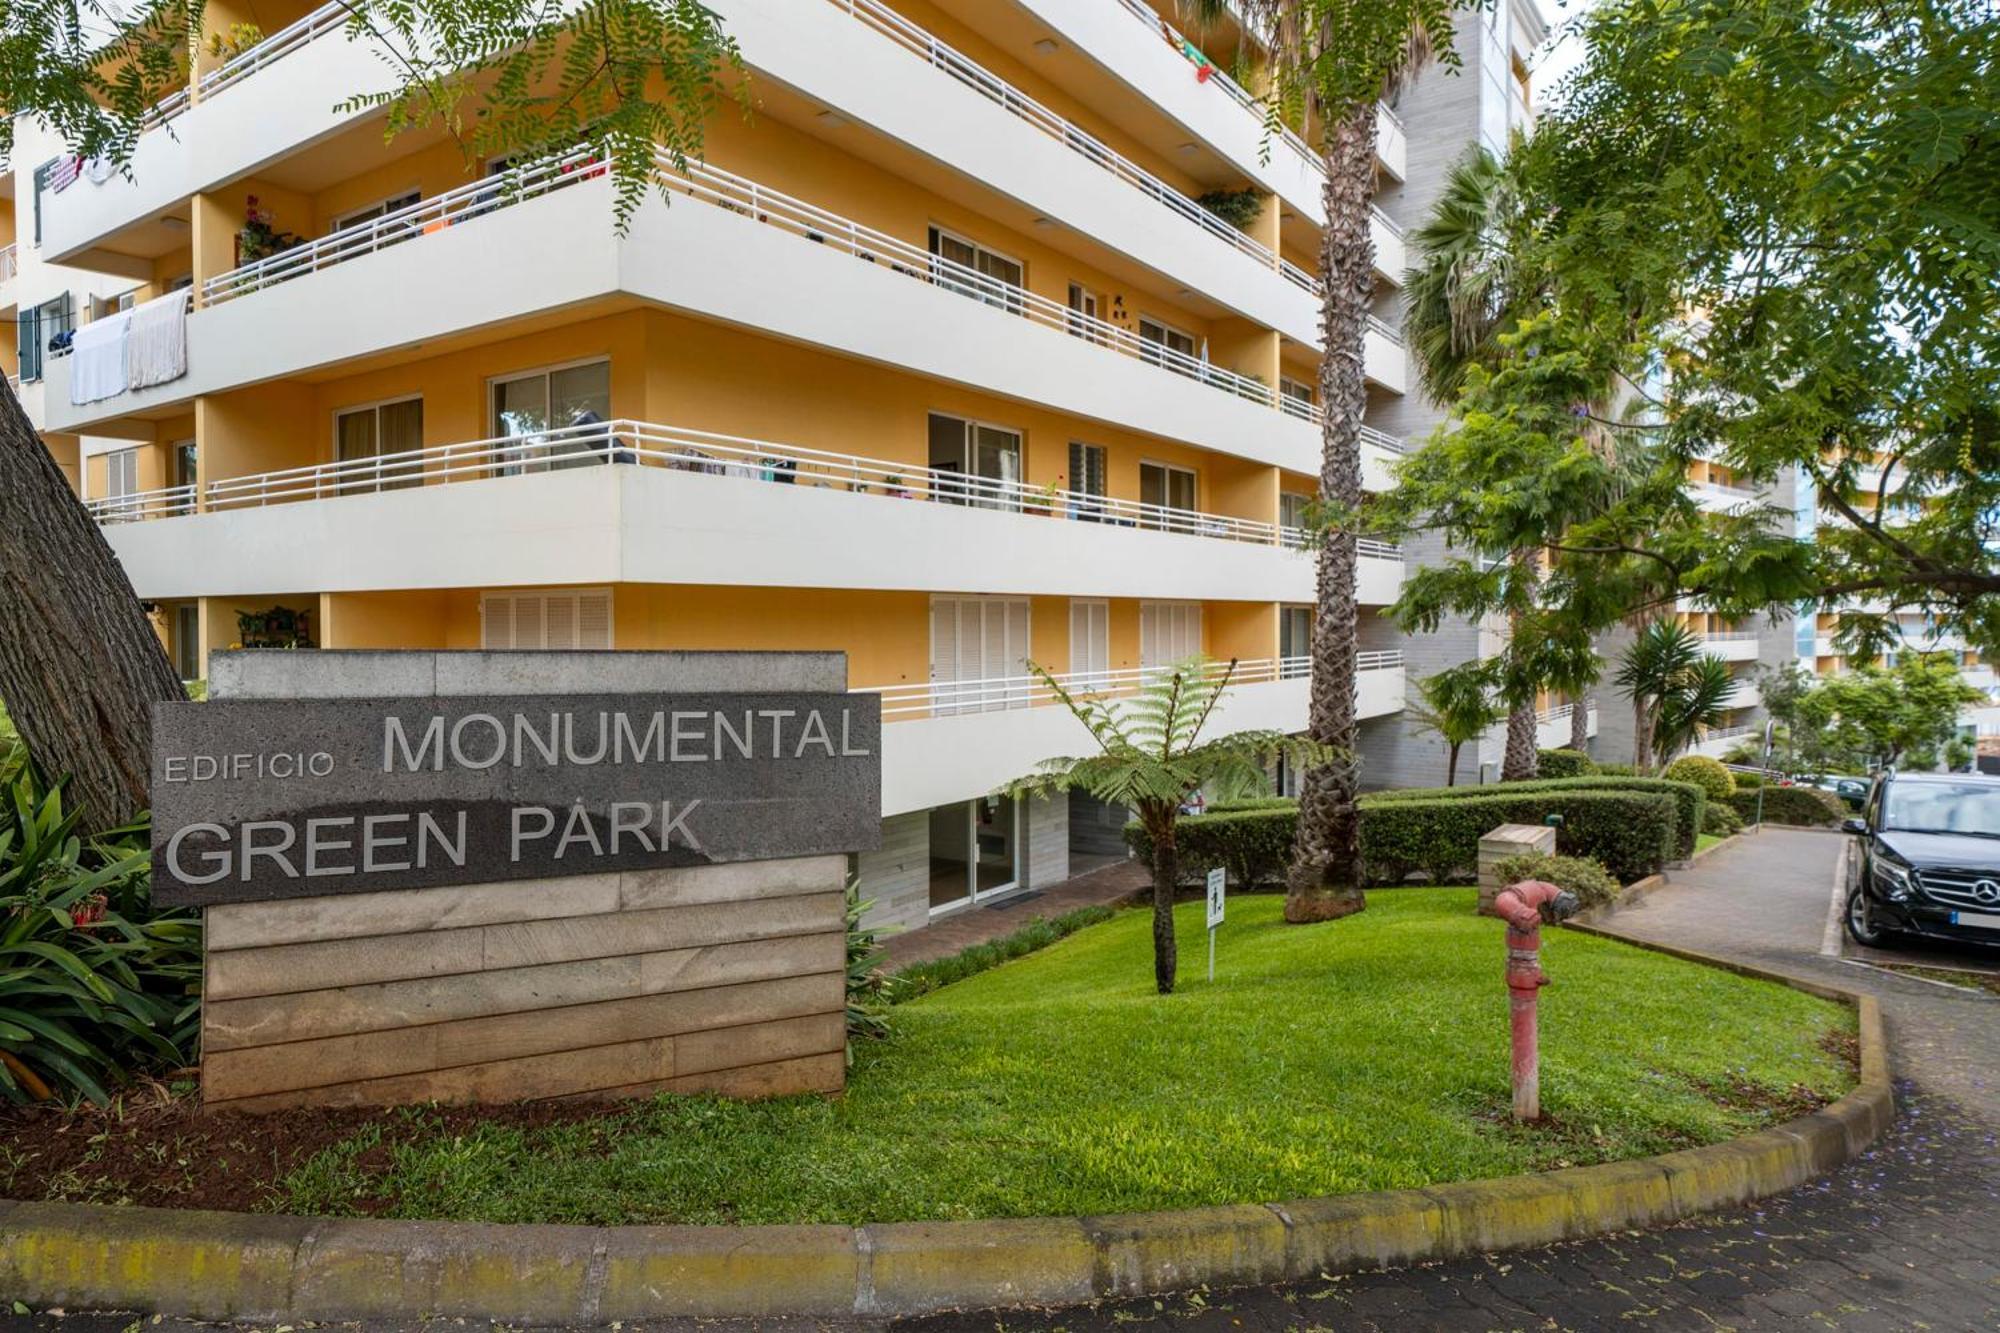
(1971, 808)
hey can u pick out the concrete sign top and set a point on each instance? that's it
(268, 798)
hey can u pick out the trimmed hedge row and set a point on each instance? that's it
(1791, 805)
(1563, 764)
(1688, 798)
(1633, 833)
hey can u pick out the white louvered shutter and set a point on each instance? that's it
(1017, 653)
(496, 621)
(944, 652)
(593, 620)
(1089, 642)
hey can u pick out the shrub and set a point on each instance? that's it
(920, 979)
(1705, 773)
(1747, 781)
(1239, 208)
(1618, 770)
(1633, 832)
(1564, 764)
(870, 991)
(1721, 820)
(1688, 798)
(95, 985)
(1592, 884)
(1792, 805)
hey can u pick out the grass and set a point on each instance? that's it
(920, 979)
(1704, 841)
(1361, 1055)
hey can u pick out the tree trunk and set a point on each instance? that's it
(1520, 761)
(1451, 765)
(1325, 877)
(1579, 724)
(1166, 879)
(1642, 735)
(80, 665)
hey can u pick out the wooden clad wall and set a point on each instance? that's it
(724, 978)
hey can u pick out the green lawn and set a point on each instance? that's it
(1704, 841)
(1359, 1055)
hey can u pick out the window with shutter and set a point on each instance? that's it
(1089, 643)
(979, 653)
(1169, 633)
(580, 619)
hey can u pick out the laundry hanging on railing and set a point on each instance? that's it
(97, 359)
(156, 350)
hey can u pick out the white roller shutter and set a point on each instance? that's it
(580, 619)
(977, 643)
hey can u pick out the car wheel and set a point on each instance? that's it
(1861, 921)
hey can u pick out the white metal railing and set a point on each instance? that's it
(954, 697)
(1728, 636)
(1730, 733)
(1301, 538)
(452, 208)
(763, 204)
(644, 444)
(274, 47)
(1012, 100)
(1304, 278)
(1562, 711)
(167, 503)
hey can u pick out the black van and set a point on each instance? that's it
(1926, 859)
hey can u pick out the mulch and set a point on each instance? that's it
(153, 1147)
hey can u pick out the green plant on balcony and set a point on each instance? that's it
(240, 38)
(1239, 208)
(278, 627)
(260, 237)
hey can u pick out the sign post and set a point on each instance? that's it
(1217, 879)
(1764, 776)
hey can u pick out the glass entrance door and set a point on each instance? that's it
(975, 850)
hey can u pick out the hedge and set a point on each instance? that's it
(1563, 764)
(1705, 773)
(1689, 799)
(1792, 805)
(1632, 832)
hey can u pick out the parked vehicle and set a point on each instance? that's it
(1854, 791)
(1926, 860)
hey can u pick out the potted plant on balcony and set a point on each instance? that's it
(260, 237)
(1049, 497)
(1239, 208)
(278, 627)
(240, 38)
(893, 485)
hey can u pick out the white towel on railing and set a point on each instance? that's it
(157, 350)
(97, 359)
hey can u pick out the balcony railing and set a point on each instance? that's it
(956, 697)
(275, 47)
(643, 444)
(1017, 103)
(1729, 636)
(1561, 712)
(1305, 278)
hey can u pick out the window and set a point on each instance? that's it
(1086, 477)
(1294, 640)
(1159, 335)
(1090, 643)
(1292, 508)
(975, 463)
(361, 217)
(544, 409)
(187, 641)
(103, 306)
(1083, 313)
(363, 437)
(574, 619)
(38, 326)
(993, 277)
(1295, 396)
(1164, 487)
(979, 653)
(42, 175)
(181, 459)
(1169, 633)
(121, 474)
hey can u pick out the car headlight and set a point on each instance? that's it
(1896, 879)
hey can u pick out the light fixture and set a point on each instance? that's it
(1190, 148)
(1047, 46)
(171, 221)
(1045, 223)
(833, 120)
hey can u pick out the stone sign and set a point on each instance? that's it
(263, 799)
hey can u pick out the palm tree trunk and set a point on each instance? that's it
(1642, 735)
(1579, 724)
(1325, 877)
(1166, 879)
(1520, 761)
(80, 665)
(1451, 765)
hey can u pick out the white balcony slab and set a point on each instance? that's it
(1554, 733)
(262, 118)
(843, 63)
(1730, 649)
(626, 524)
(711, 263)
(929, 761)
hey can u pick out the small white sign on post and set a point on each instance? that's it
(1217, 879)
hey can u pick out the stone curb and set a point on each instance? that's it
(213, 1265)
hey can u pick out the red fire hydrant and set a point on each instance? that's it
(1521, 906)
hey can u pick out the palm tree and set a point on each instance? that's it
(1152, 758)
(1463, 288)
(1676, 688)
(1456, 707)
(1330, 62)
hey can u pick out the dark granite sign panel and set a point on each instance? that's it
(256, 799)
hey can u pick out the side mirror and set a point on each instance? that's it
(1859, 826)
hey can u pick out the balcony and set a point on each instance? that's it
(1131, 44)
(729, 250)
(10, 269)
(1552, 725)
(1731, 645)
(1718, 741)
(633, 502)
(1719, 498)
(947, 741)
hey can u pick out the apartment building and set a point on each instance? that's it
(938, 358)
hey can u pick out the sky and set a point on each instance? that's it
(1564, 49)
